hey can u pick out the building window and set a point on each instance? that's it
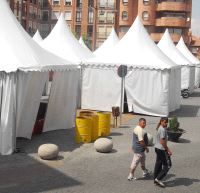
(78, 31)
(102, 16)
(145, 16)
(55, 2)
(102, 3)
(101, 32)
(111, 3)
(124, 15)
(110, 17)
(91, 3)
(78, 3)
(45, 15)
(55, 15)
(125, 2)
(90, 16)
(146, 2)
(78, 16)
(68, 2)
(68, 15)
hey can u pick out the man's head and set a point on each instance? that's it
(142, 122)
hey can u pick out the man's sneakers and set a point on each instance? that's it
(131, 177)
(159, 182)
(146, 173)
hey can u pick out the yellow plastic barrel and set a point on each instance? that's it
(95, 123)
(104, 123)
(83, 129)
(86, 113)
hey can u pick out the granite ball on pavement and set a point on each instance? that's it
(48, 151)
(103, 145)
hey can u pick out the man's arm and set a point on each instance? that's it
(163, 141)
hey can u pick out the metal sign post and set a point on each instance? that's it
(122, 72)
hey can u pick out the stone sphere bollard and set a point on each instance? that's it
(48, 151)
(150, 139)
(103, 145)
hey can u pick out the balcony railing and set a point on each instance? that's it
(171, 21)
(103, 34)
(171, 6)
(106, 5)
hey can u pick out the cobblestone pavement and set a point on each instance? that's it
(79, 169)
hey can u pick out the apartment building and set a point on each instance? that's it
(157, 15)
(94, 19)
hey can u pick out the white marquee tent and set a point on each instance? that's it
(186, 52)
(84, 45)
(62, 42)
(37, 37)
(108, 45)
(24, 69)
(152, 84)
(188, 70)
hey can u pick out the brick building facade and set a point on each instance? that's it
(94, 19)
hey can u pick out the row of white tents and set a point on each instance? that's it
(155, 76)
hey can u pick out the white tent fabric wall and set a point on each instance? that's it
(101, 88)
(186, 52)
(30, 92)
(175, 89)
(138, 51)
(61, 110)
(19, 51)
(153, 82)
(8, 114)
(167, 46)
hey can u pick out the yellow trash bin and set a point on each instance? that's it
(83, 129)
(95, 123)
(104, 123)
(86, 113)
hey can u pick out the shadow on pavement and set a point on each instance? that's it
(115, 134)
(195, 94)
(181, 140)
(22, 174)
(181, 182)
(65, 139)
(186, 111)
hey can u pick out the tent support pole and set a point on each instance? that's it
(122, 98)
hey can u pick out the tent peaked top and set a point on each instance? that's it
(108, 44)
(186, 52)
(167, 46)
(138, 50)
(83, 44)
(18, 49)
(37, 37)
(63, 43)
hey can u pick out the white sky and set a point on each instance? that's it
(196, 17)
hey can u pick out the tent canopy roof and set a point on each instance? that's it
(186, 52)
(167, 46)
(62, 42)
(84, 45)
(136, 49)
(109, 43)
(19, 50)
(37, 37)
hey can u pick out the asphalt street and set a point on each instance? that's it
(80, 169)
